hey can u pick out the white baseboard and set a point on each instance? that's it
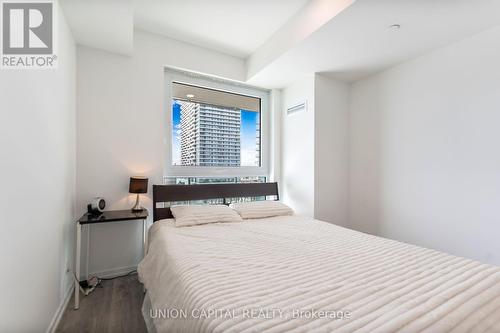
(114, 272)
(60, 310)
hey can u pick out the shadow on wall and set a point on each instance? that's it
(297, 198)
(367, 156)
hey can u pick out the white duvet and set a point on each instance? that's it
(294, 274)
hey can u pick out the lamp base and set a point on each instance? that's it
(137, 207)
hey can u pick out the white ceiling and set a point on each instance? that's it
(357, 42)
(235, 27)
(284, 39)
(91, 24)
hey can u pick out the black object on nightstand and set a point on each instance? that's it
(105, 217)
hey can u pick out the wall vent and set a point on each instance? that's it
(297, 108)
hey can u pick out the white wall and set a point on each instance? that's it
(121, 109)
(275, 123)
(37, 154)
(314, 148)
(297, 147)
(331, 136)
(425, 167)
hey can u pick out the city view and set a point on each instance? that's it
(216, 136)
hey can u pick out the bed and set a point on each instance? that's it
(297, 274)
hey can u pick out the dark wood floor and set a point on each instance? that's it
(116, 307)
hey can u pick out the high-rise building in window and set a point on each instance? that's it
(210, 135)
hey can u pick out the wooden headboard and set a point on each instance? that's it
(173, 193)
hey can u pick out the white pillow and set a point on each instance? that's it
(186, 215)
(261, 209)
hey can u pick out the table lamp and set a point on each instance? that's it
(138, 185)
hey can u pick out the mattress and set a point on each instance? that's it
(296, 274)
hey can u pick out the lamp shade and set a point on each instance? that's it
(138, 185)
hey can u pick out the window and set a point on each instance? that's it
(212, 180)
(215, 128)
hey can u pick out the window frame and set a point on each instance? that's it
(174, 75)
